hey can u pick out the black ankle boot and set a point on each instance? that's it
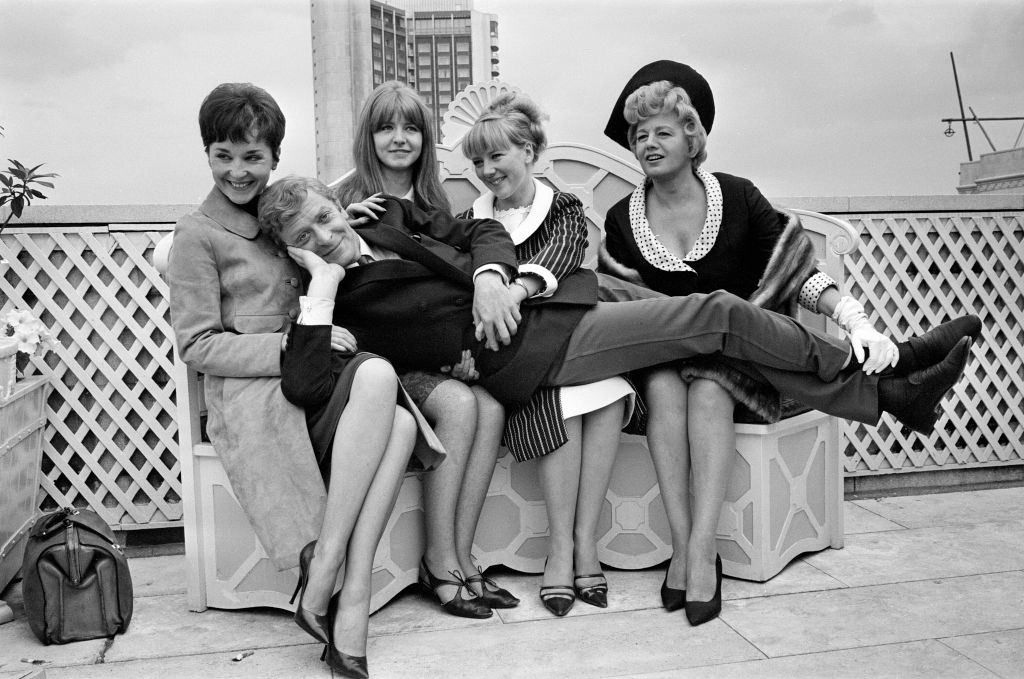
(914, 399)
(929, 348)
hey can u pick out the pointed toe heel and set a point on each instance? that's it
(316, 626)
(700, 612)
(596, 594)
(558, 598)
(349, 666)
(672, 599)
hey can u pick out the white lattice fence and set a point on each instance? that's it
(110, 435)
(110, 440)
(916, 270)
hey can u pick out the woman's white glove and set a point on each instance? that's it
(882, 352)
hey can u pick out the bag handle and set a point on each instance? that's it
(52, 523)
(66, 516)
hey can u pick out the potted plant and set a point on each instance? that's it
(17, 187)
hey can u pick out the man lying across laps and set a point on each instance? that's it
(412, 303)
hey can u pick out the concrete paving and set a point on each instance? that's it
(927, 586)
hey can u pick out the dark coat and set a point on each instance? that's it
(418, 311)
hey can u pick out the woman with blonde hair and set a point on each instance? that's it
(686, 230)
(572, 432)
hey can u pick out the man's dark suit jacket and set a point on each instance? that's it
(418, 311)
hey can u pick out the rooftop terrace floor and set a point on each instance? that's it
(927, 586)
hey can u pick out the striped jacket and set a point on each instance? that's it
(550, 243)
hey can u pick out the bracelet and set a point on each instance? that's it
(523, 286)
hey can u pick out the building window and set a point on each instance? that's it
(443, 46)
(462, 59)
(423, 47)
(463, 72)
(444, 60)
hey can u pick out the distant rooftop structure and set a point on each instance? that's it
(438, 47)
(996, 172)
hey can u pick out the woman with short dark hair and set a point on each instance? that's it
(234, 297)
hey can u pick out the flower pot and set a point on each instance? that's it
(22, 419)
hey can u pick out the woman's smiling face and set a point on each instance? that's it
(398, 144)
(506, 172)
(661, 146)
(241, 170)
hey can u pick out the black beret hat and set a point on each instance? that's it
(678, 74)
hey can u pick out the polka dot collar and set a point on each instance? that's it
(652, 249)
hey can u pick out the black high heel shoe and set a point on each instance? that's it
(349, 666)
(595, 595)
(700, 612)
(672, 599)
(497, 597)
(320, 626)
(458, 605)
(558, 598)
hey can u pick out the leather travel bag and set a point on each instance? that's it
(75, 579)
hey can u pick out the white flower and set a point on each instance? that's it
(33, 337)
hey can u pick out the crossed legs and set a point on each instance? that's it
(469, 422)
(368, 461)
(490, 422)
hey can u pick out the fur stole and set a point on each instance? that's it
(791, 263)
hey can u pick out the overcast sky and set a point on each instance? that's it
(814, 98)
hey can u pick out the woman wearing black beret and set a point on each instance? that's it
(686, 230)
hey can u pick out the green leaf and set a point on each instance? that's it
(4, 199)
(7, 181)
(17, 205)
(48, 184)
(37, 194)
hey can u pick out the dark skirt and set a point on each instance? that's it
(323, 423)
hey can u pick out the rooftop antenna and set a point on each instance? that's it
(963, 119)
(960, 99)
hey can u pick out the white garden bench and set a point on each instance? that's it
(785, 497)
